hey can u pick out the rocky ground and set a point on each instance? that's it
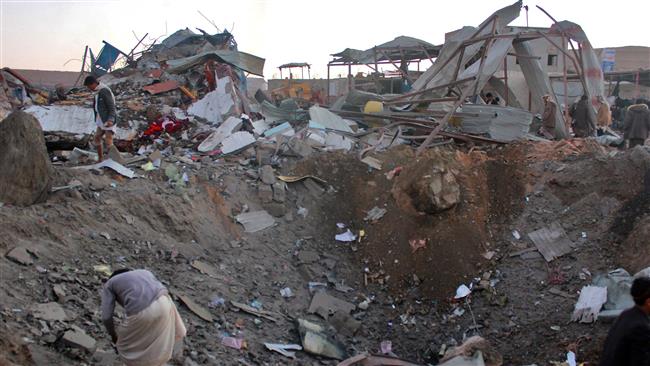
(401, 275)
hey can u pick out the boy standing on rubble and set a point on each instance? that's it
(628, 341)
(105, 113)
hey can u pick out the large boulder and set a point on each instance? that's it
(25, 169)
(428, 186)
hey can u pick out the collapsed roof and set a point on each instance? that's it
(402, 48)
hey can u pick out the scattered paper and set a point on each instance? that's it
(283, 349)
(346, 236)
(462, 291)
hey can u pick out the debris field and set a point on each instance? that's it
(438, 230)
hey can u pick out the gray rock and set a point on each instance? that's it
(50, 311)
(279, 193)
(77, 338)
(267, 175)
(20, 255)
(25, 169)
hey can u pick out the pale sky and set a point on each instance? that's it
(47, 34)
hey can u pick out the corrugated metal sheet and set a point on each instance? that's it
(501, 123)
(158, 88)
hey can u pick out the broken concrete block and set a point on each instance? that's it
(326, 305)
(469, 348)
(315, 341)
(279, 193)
(255, 221)
(20, 255)
(25, 169)
(431, 193)
(265, 193)
(344, 323)
(50, 311)
(59, 292)
(276, 209)
(308, 256)
(114, 153)
(267, 175)
(77, 338)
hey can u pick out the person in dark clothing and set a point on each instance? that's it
(628, 341)
(636, 126)
(489, 99)
(583, 119)
(105, 113)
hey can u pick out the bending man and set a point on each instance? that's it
(152, 324)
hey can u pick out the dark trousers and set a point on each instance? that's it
(634, 142)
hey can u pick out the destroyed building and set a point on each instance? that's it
(401, 221)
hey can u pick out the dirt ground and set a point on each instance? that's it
(146, 223)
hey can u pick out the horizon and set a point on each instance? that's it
(298, 39)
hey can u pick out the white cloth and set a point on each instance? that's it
(98, 119)
(148, 337)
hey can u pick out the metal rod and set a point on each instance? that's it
(486, 48)
(456, 82)
(415, 101)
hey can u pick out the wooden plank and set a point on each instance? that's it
(552, 242)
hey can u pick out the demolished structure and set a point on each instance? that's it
(433, 227)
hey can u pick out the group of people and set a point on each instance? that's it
(585, 123)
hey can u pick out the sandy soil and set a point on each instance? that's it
(146, 223)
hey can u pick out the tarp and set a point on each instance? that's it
(241, 60)
(107, 56)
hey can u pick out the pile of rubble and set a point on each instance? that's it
(373, 244)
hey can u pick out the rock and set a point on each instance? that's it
(50, 311)
(344, 323)
(433, 192)
(267, 175)
(265, 193)
(25, 169)
(20, 255)
(77, 338)
(275, 209)
(473, 344)
(326, 305)
(315, 341)
(59, 292)
(114, 153)
(308, 256)
(279, 193)
(640, 156)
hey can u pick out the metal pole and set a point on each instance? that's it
(349, 77)
(565, 112)
(505, 77)
(328, 83)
